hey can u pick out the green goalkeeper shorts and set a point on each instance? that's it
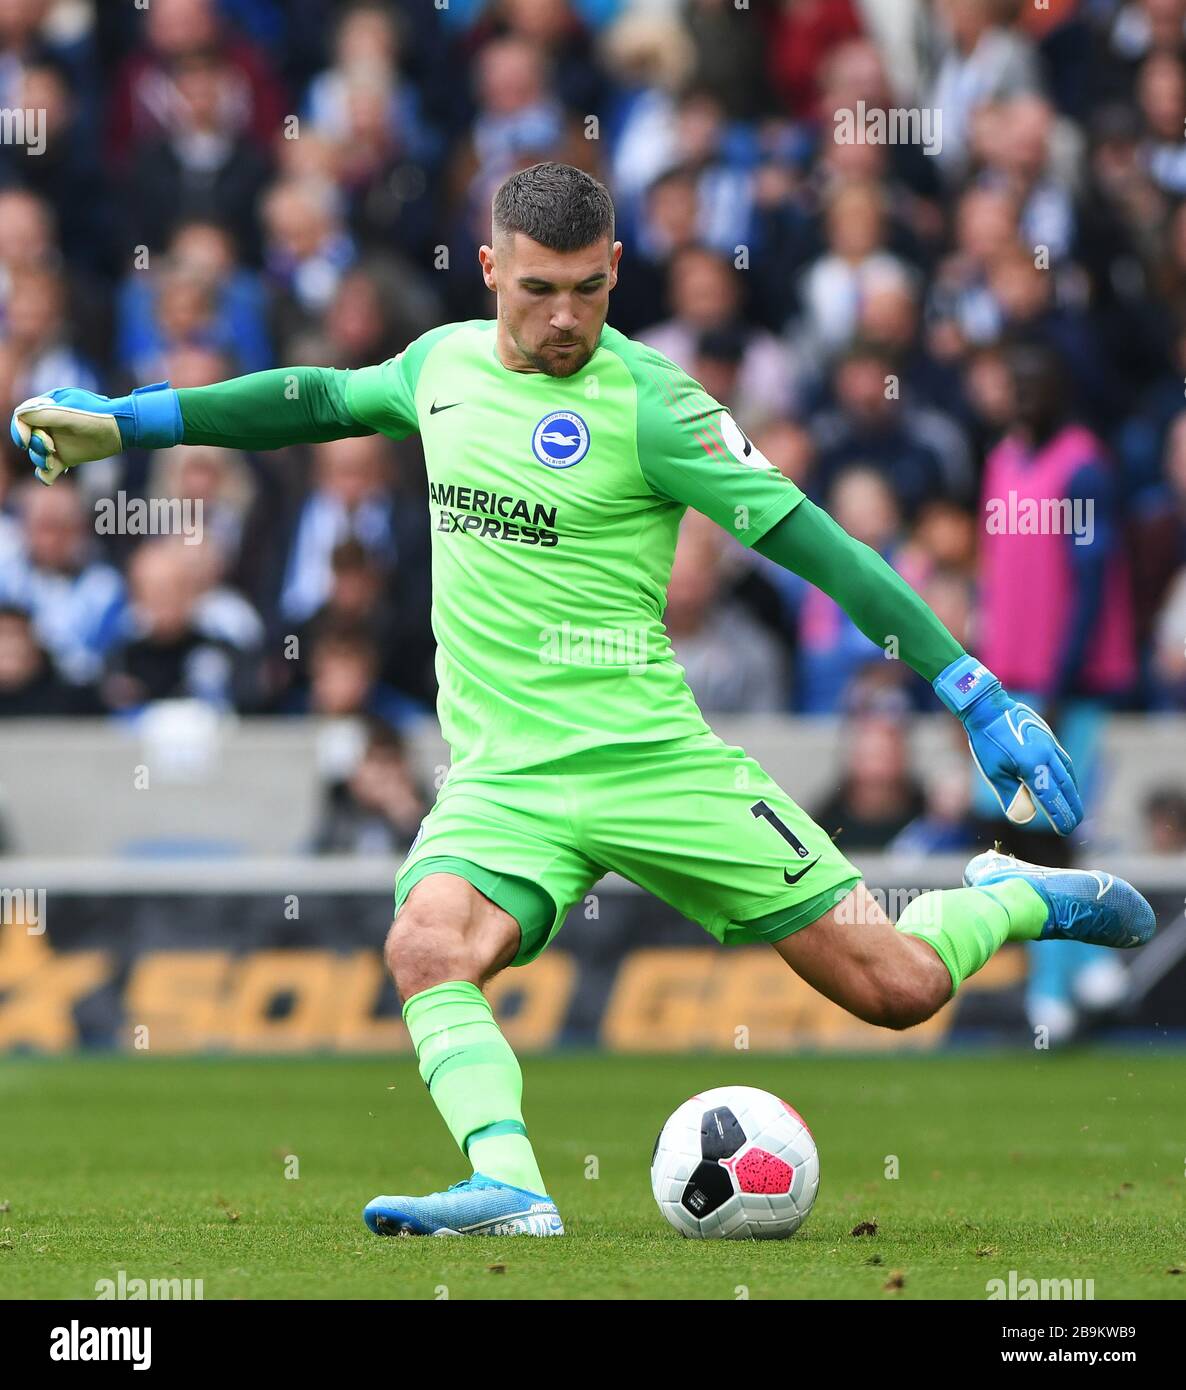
(692, 820)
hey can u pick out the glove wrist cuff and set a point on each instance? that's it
(157, 415)
(964, 683)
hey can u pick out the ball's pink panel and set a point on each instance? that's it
(759, 1171)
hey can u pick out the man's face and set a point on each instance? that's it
(342, 680)
(860, 387)
(351, 470)
(1034, 388)
(552, 304)
(53, 528)
(163, 591)
(703, 291)
(356, 590)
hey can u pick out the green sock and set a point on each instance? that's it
(967, 926)
(474, 1079)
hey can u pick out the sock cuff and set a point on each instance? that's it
(1022, 904)
(451, 992)
(926, 931)
(965, 927)
(493, 1131)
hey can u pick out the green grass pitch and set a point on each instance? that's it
(1056, 1166)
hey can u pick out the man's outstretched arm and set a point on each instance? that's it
(1012, 745)
(265, 410)
(691, 451)
(810, 543)
(269, 410)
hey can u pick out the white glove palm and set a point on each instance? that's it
(60, 436)
(69, 426)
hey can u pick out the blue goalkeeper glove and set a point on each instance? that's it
(1014, 748)
(70, 426)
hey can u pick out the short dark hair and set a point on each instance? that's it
(345, 639)
(557, 205)
(726, 342)
(862, 349)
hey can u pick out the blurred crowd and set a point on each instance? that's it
(927, 336)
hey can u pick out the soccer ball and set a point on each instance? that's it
(735, 1163)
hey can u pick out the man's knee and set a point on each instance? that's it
(900, 1007)
(423, 950)
(447, 930)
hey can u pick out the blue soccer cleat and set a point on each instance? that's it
(1082, 904)
(479, 1206)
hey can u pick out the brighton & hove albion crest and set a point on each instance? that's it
(560, 439)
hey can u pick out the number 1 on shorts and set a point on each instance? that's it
(760, 808)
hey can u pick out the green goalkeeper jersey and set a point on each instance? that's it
(554, 505)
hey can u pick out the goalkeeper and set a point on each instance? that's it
(560, 457)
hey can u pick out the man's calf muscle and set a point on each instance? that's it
(854, 956)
